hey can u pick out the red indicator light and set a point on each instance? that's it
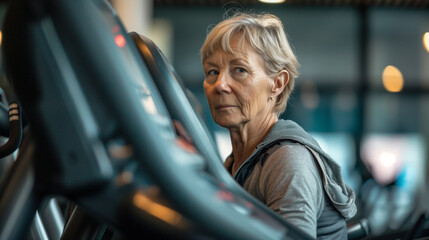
(249, 205)
(120, 40)
(186, 145)
(224, 195)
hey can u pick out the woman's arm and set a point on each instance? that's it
(291, 185)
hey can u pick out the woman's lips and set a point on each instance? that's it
(224, 107)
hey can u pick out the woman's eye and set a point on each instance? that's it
(240, 70)
(212, 72)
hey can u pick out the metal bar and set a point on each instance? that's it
(18, 198)
(82, 226)
(38, 231)
(52, 219)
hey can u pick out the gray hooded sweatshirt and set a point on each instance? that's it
(291, 174)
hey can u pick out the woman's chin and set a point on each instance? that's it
(226, 123)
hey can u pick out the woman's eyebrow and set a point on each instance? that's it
(210, 64)
(239, 61)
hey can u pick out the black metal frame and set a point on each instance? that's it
(84, 94)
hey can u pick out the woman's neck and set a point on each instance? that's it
(245, 139)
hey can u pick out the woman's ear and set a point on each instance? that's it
(280, 81)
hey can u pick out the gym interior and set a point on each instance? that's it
(91, 92)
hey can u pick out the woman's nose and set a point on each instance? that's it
(223, 83)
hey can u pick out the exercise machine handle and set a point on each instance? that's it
(15, 131)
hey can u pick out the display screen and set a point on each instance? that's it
(141, 79)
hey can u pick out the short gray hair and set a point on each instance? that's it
(266, 35)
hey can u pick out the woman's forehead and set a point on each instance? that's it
(221, 55)
(235, 49)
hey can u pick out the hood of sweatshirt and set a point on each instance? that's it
(339, 193)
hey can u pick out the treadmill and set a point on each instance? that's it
(100, 135)
(176, 97)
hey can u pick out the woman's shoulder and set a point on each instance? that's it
(290, 153)
(291, 160)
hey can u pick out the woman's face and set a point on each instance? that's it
(236, 86)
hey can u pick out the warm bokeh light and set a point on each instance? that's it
(156, 209)
(120, 151)
(426, 41)
(272, 1)
(392, 79)
(1, 37)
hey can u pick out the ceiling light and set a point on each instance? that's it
(426, 41)
(393, 80)
(272, 1)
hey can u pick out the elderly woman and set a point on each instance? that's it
(249, 71)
